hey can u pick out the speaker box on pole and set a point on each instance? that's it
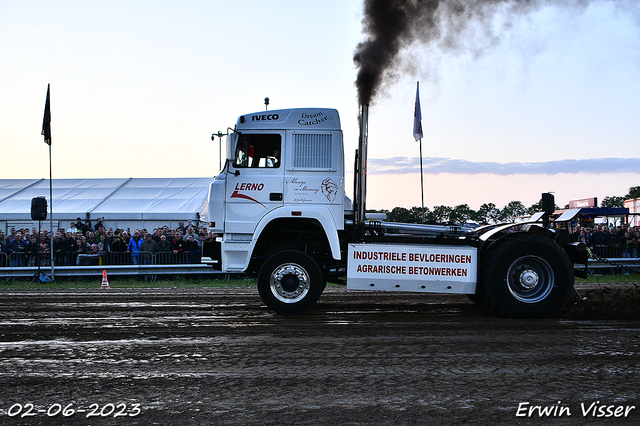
(38, 208)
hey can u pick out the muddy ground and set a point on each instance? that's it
(219, 357)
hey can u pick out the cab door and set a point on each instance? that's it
(255, 181)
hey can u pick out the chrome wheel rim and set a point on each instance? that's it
(290, 283)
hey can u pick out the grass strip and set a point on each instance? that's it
(202, 282)
(129, 282)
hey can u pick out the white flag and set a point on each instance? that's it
(417, 116)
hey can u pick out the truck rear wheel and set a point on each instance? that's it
(290, 282)
(525, 276)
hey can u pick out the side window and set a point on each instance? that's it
(258, 150)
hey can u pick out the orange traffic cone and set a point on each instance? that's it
(105, 281)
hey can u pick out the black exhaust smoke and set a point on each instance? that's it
(388, 25)
(392, 25)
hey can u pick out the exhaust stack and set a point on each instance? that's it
(360, 194)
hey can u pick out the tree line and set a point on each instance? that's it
(618, 201)
(488, 213)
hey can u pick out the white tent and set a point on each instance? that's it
(123, 203)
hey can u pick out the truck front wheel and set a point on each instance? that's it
(525, 276)
(290, 282)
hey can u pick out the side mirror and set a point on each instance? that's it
(232, 139)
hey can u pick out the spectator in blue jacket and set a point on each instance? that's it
(134, 247)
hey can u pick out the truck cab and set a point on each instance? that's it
(283, 178)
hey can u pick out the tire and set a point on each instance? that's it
(290, 282)
(525, 276)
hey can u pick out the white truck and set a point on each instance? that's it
(280, 210)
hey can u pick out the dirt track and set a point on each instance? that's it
(217, 356)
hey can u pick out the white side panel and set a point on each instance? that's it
(413, 268)
(321, 183)
(235, 256)
(249, 197)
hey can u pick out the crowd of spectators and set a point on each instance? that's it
(83, 244)
(610, 241)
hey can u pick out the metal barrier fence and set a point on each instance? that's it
(617, 252)
(113, 258)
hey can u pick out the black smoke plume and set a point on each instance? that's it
(392, 25)
(388, 25)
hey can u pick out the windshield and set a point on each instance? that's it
(258, 150)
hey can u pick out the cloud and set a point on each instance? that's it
(435, 165)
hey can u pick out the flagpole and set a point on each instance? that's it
(421, 181)
(46, 132)
(417, 134)
(52, 233)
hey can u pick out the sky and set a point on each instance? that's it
(544, 101)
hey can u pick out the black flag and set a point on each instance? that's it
(46, 121)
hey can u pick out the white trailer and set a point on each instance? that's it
(280, 209)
